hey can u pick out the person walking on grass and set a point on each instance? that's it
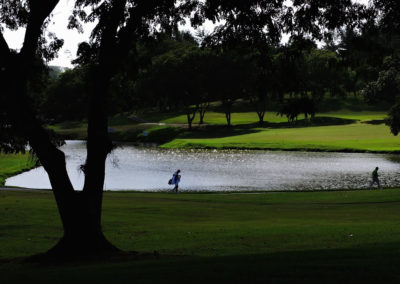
(176, 178)
(375, 178)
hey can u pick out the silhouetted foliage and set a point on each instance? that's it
(393, 120)
(293, 107)
(66, 97)
(387, 86)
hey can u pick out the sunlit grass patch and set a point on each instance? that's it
(239, 118)
(12, 164)
(342, 130)
(353, 137)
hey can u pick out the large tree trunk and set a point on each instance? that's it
(80, 212)
(83, 234)
(85, 219)
(82, 221)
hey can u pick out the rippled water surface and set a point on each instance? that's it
(148, 169)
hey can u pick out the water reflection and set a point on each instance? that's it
(148, 169)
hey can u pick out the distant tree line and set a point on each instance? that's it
(178, 72)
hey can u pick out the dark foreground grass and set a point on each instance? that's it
(292, 237)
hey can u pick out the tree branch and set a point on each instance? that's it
(4, 49)
(20, 109)
(4, 52)
(40, 10)
(98, 143)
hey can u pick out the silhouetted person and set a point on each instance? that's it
(375, 178)
(176, 178)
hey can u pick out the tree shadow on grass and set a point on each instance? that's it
(167, 133)
(371, 263)
(217, 131)
(316, 121)
(221, 131)
(375, 121)
(156, 117)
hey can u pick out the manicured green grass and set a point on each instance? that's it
(352, 137)
(239, 118)
(342, 130)
(285, 237)
(360, 131)
(12, 164)
(359, 115)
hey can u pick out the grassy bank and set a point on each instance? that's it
(301, 237)
(357, 137)
(251, 118)
(12, 164)
(341, 130)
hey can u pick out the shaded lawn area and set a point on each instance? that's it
(302, 237)
(361, 265)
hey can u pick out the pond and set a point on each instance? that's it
(149, 169)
